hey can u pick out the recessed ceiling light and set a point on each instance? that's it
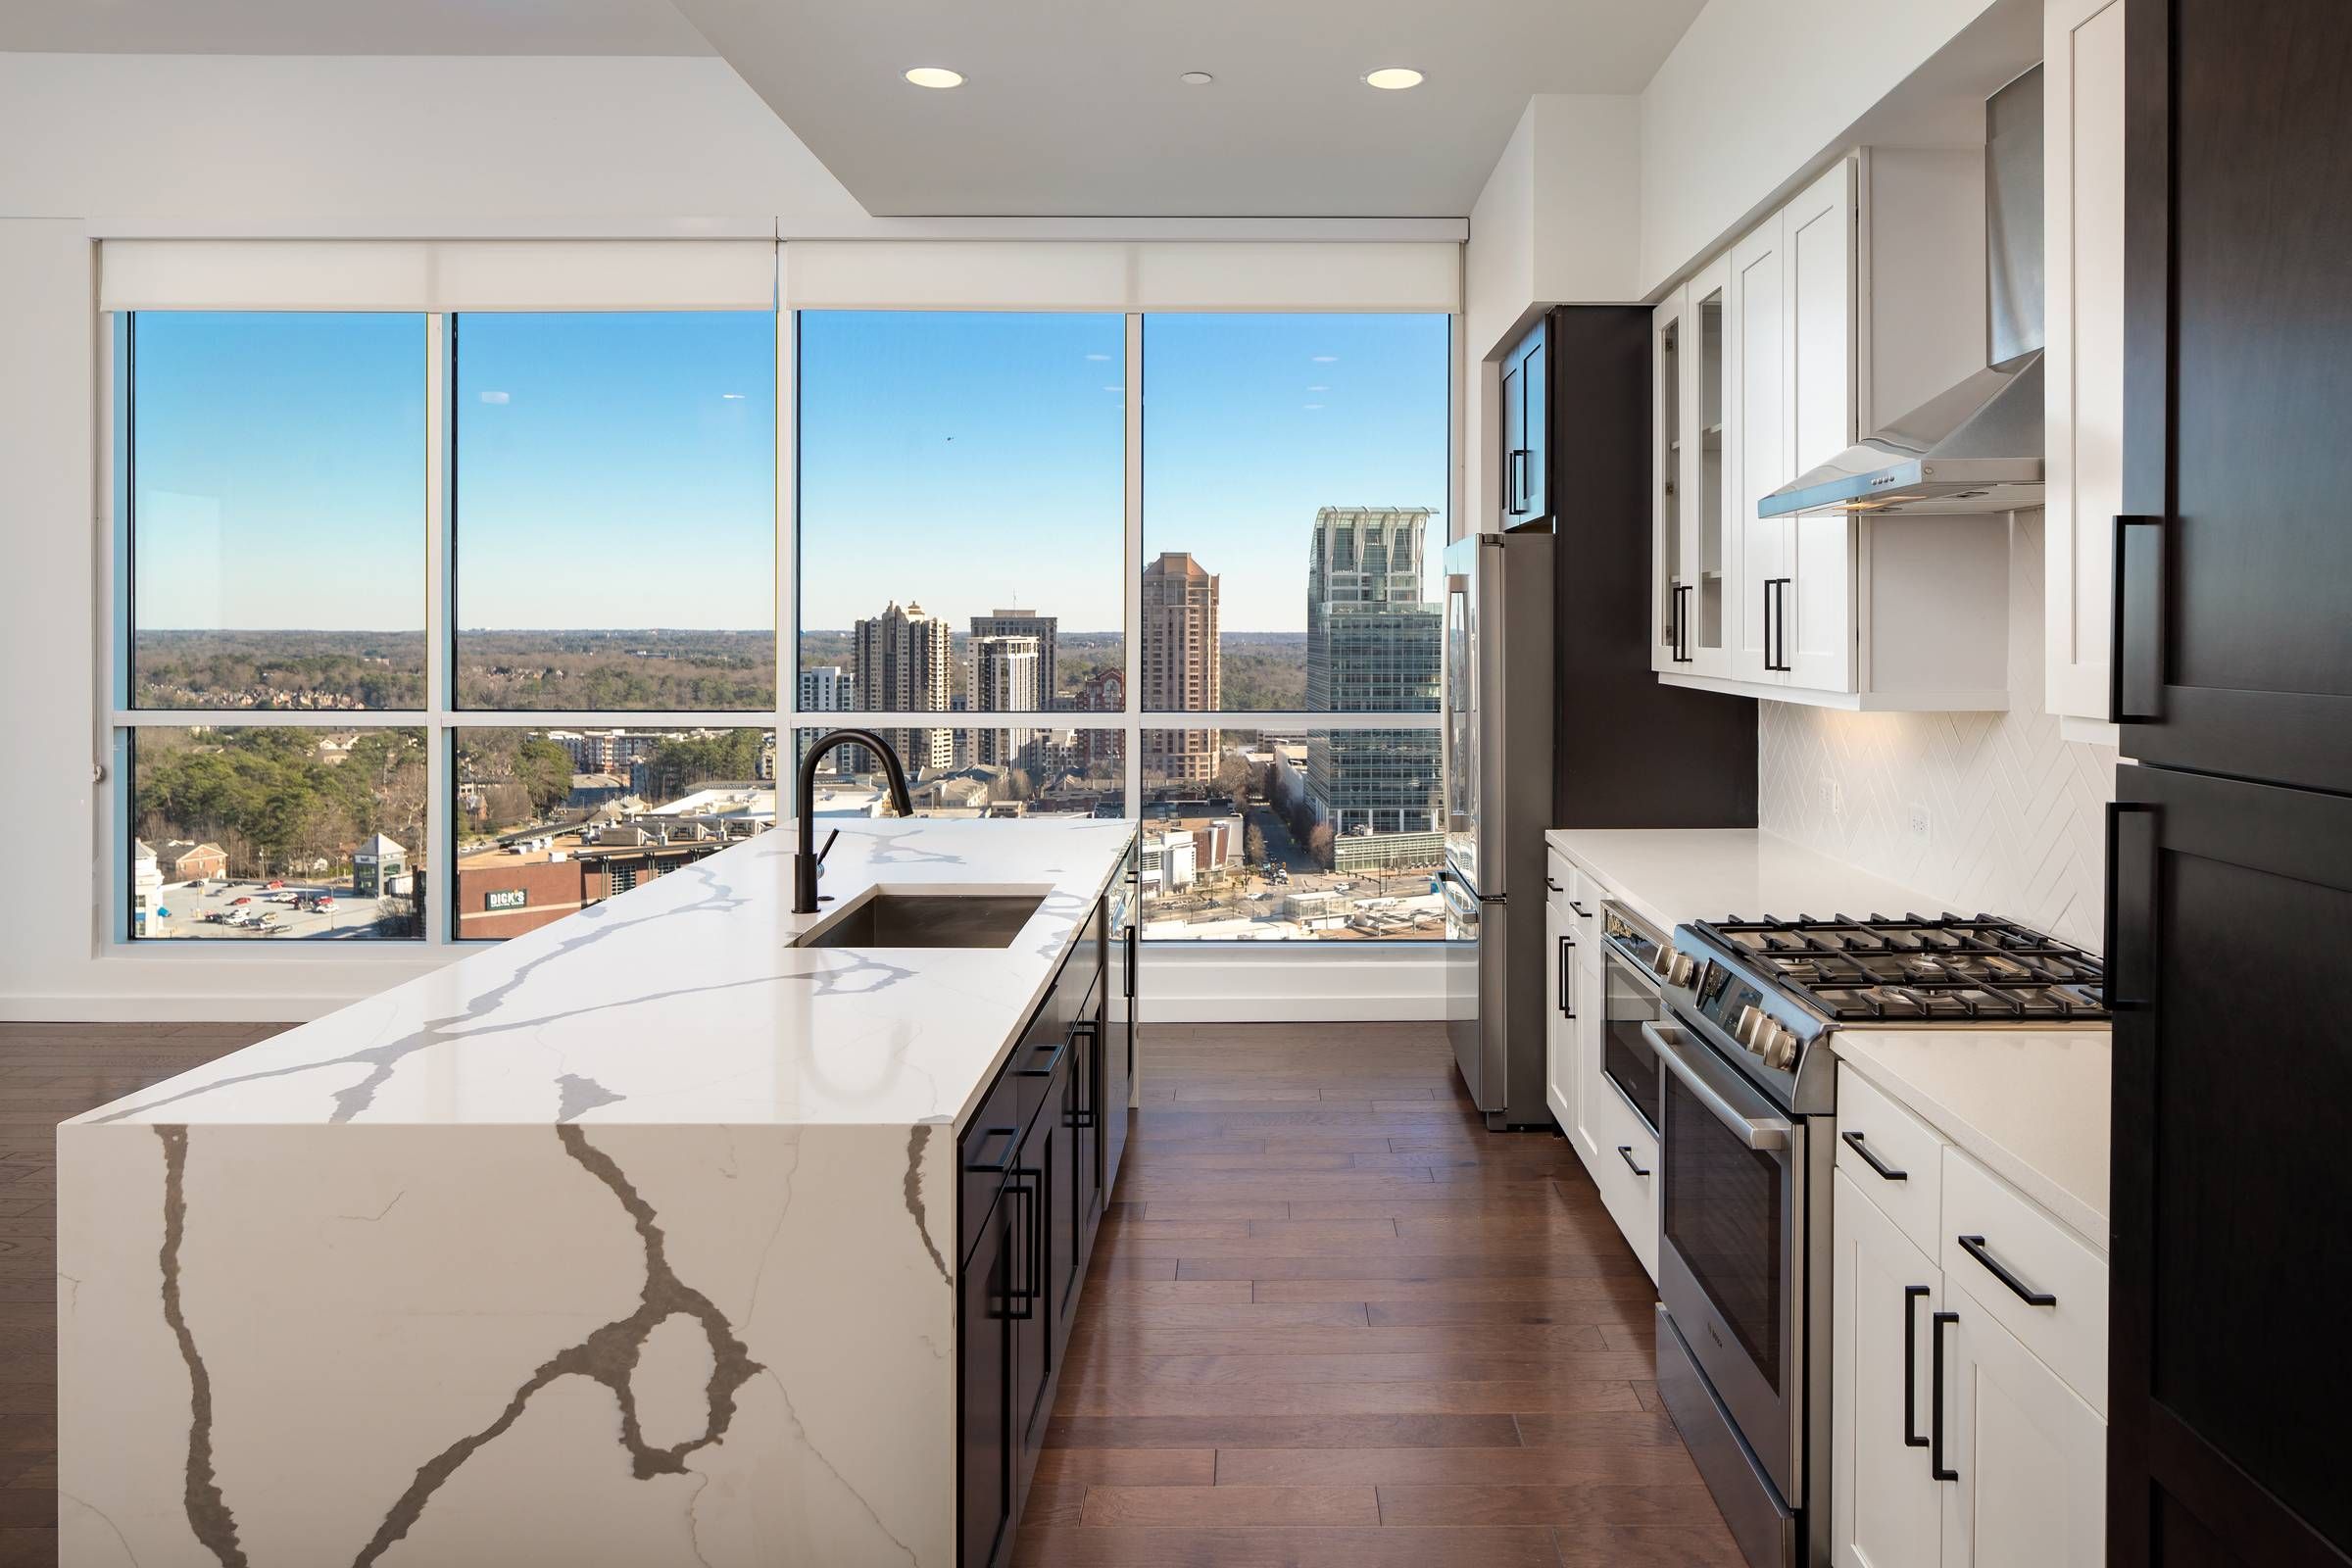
(1195, 78)
(1393, 78)
(940, 77)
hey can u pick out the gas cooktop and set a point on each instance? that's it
(1919, 968)
(1767, 990)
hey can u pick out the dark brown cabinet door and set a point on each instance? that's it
(984, 1330)
(2229, 904)
(1039, 1174)
(2234, 644)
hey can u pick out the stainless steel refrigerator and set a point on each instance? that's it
(1500, 711)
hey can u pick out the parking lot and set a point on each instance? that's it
(189, 902)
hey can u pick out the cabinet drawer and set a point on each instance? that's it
(1624, 1145)
(2008, 1235)
(1560, 880)
(984, 1155)
(1873, 1128)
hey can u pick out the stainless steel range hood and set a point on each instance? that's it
(1976, 447)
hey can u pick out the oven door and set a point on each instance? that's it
(1731, 1234)
(1627, 1063)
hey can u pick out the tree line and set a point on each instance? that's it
(273, 801)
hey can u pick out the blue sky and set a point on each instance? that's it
(617, 469)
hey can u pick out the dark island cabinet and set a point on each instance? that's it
(1036, 1175)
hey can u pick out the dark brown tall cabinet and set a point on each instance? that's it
(2229, 861)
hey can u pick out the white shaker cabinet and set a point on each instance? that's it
(1860, 299)
(1560, 1062)
(2083, 411)
(1813, 615)
(2029, 1458)
(1886, 1511)
(1953, 1444)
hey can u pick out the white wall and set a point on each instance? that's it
(372, 144)
(1754, 94)
(1557, 223)
(2014, 811)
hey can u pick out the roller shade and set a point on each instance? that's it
(1154, 275)
(686, 274)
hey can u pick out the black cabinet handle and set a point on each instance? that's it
(1052, 1066)
(1013, 1142)
(1886, 1172)
(2135, 624)
(1083, 1115)
(1935, 1464)
(1134, 951)
(1580, 911)
(1911, 1437)
(1021, 1299)
(1973, 1247)
(2129, 955)
(1776, 625)
(1567, 980)
(1625, 1151)
(1554, 887)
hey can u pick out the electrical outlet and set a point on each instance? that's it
(1922, 827)
(1833, 796)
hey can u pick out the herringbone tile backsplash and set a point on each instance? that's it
(2013, 812)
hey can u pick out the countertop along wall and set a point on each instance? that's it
(2014, 811)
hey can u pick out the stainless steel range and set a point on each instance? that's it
(1746, 1108)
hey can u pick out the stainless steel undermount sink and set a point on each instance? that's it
(890, 917)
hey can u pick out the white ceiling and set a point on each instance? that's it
(1071, 108)
(348, 27)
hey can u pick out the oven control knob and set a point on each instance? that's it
(1677, 967)
(1776, 1045)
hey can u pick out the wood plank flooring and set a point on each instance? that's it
(1334, 1321)
(1331, 1320)
(48, 1072)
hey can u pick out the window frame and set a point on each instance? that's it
(441, 717)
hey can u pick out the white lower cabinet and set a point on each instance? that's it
(1562, 975)
(1953, 1445)
(2031, 1456)
(1887, 1510)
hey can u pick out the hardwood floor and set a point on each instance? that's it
(1332, 1320)
(49, 1072)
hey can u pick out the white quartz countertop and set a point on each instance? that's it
(681, 1001)
(1669, 875)
(2029, 1104)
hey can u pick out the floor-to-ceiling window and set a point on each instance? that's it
(329, 739)
(438, 625)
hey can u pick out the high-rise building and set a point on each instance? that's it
(899, 661)
(1181, 667)
(827, 689)
(1374, 644)
(1027, 623)
(831, 689)
(1004, 680)
(1099, 751)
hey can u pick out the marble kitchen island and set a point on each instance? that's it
(632, 1241)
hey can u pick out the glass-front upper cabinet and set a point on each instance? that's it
(1695, 539)
(1707, 531)
(1526, 430)
(1667, 377)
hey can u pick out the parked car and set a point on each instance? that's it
(240, 898)
(277, 881)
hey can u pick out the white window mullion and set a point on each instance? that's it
(1133, 589)
(438, 904)
(788, 552)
